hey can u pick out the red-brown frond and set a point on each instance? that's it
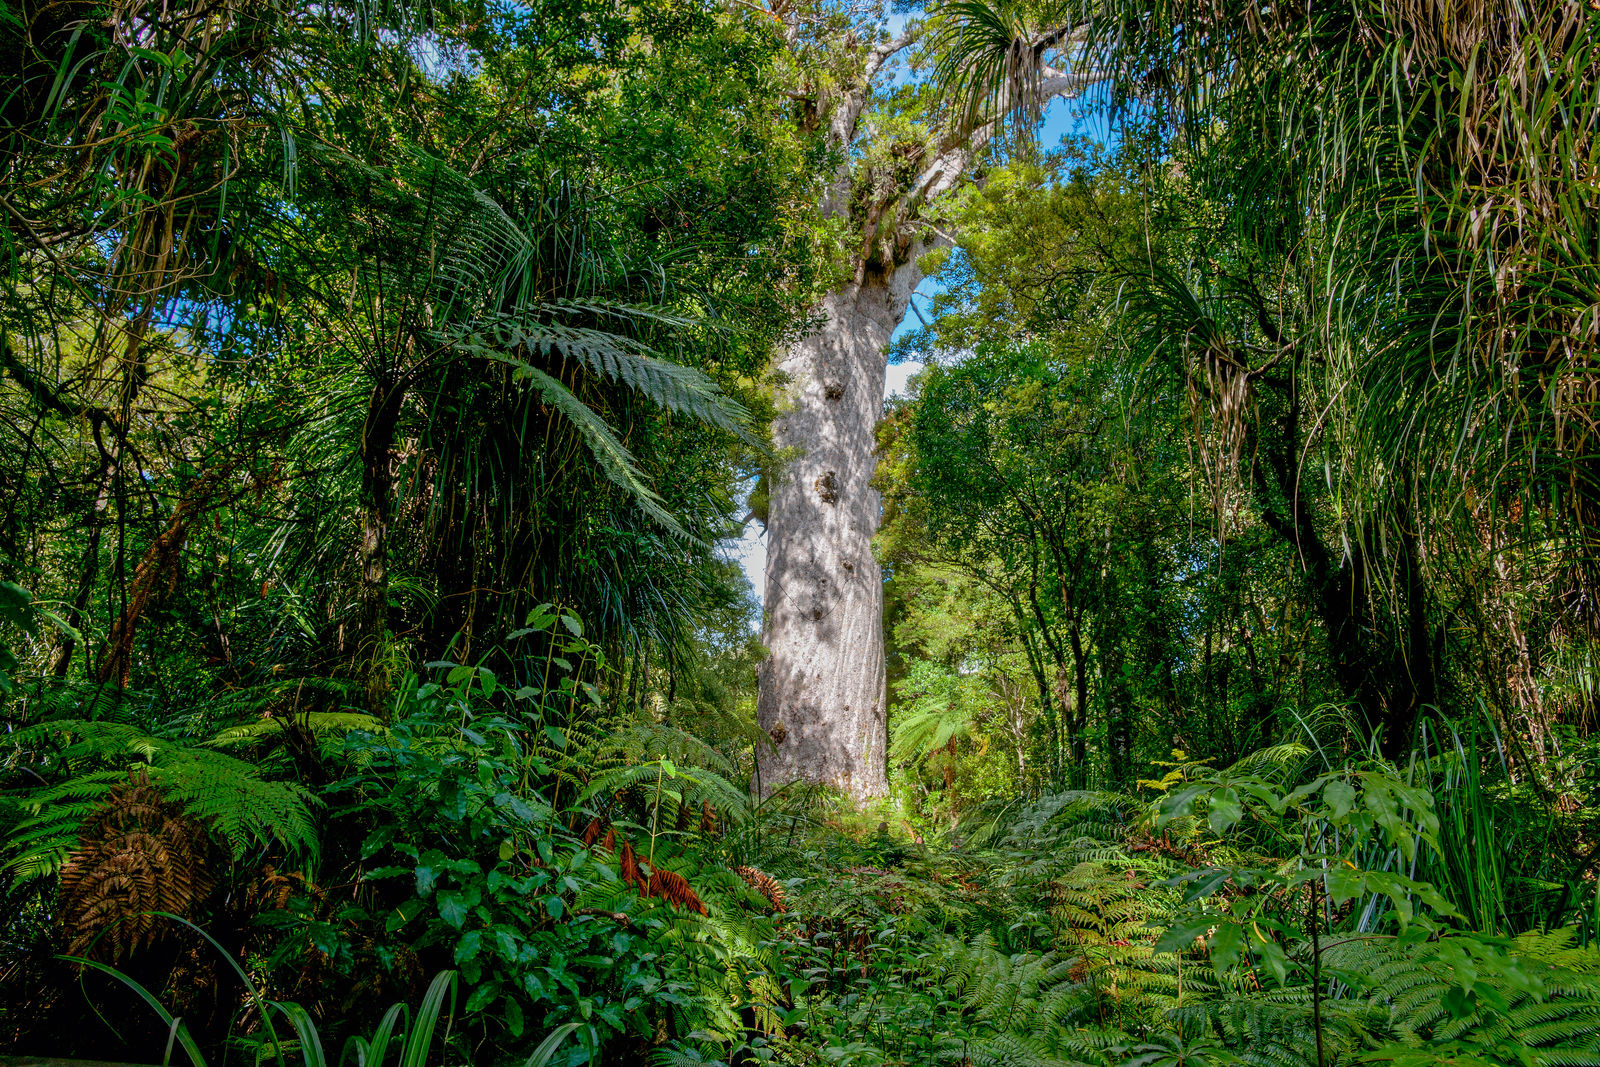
(674, 889)
(763, 883)
(137, 854)
(629, 866)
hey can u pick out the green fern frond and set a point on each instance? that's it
(620, 358)
(929, 727)
(230, 797)
(621, 779)
(640, 742)
(681, 1057)
(322, 724)
(1274, 762)
(1410, 984)
(613, 458)
(39, 844)
(228, 794)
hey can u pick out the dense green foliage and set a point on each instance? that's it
(378, 382)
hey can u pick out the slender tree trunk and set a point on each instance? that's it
(1080, 714)
(94, 520)
(105, 483)
(160, 561)
(823, 701)
(377, 485)
(1046, 703)
(1118, 691)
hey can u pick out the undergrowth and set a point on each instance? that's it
(602, 888)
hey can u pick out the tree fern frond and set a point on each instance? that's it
(1410, 983)
(232, 800)
(620, 358)
(620, 779)
(39, 844)
(229, 795)
(322, 724)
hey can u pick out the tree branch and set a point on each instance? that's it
(1054, 83)
(881, 53)
(42, 394)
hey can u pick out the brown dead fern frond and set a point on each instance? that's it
(663, 885)
(628, 865)
(763, 883)
(273, 890)
(675, 890)
(138, 854)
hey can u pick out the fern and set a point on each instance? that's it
(1410, 985)
(228, 795)
(607, 450)
(41, 841)
(611, 355)
(1277, 763)
(485, 274)
(633, 760)
(1066, 816)
(681, 1057)
(321, 724)
(930, 727)
(1024, 1008)
(620, 358)
(140, 855)
(1274, 1029)
(1176, 1050)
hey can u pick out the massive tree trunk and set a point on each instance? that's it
(823, 700)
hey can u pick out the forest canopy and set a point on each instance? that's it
(1194, 664)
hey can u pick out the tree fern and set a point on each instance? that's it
(231, 798)
(618, 358)
(493, 304)
(49, 821)
(930, 726)
(608, 451)
(228, 795)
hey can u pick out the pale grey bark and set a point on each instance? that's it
(822, 694)
(822, 697)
